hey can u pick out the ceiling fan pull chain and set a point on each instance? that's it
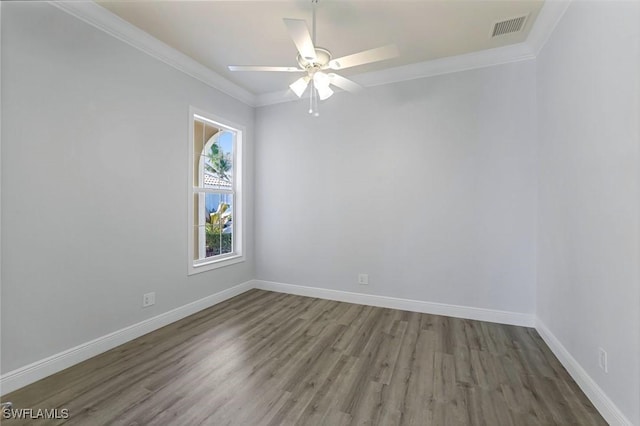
(313, 100)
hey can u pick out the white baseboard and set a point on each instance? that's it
(40, 369)
(467, 312)
(596, 395)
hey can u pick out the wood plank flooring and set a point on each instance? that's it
(265, 358)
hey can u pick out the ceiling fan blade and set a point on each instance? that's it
(261, 68)
(299, 32)
(365, 57)
(344, 83)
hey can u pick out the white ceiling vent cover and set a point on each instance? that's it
(509, 26)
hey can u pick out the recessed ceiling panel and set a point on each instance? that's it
(222, 33)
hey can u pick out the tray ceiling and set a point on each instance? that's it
(221, 33)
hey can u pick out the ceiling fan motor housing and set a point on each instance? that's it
(323, 56)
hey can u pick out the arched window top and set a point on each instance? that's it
(216, 160)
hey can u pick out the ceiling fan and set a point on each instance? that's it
(315, 61)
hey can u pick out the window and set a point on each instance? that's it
(215, 193)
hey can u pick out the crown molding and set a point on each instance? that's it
(99, 17)
(278, 97)
(547, 20)
(468, 61)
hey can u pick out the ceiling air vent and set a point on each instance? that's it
(509, 26)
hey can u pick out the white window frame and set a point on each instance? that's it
(237, 255)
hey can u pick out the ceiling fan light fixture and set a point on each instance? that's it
(300, 85)
(324, 92)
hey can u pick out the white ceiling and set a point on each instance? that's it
(221, 33)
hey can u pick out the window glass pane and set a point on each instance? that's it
(214, 229)
(217, 161)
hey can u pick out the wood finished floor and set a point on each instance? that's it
(265, 358)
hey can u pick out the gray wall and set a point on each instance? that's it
(588, 282)
(94, 184)
(428, 186)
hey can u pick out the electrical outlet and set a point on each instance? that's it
(363, 279)
(602, 360)
(149, 299)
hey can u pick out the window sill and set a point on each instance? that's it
(208, 265)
